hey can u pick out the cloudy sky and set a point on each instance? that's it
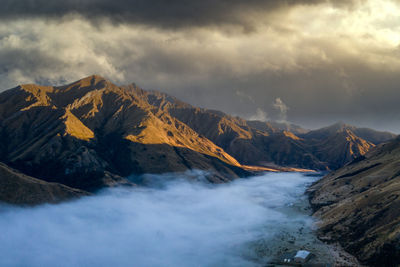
(312, 62)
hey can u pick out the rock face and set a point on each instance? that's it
(17, 188)
(359, 206)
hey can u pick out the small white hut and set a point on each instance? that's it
(302, 256)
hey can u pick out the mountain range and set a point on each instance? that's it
(92, 133)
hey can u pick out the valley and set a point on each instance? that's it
(212, 133)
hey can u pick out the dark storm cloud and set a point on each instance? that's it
(159, 13)
(342, 64)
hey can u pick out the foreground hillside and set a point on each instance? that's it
(17, 188)
(359, 206)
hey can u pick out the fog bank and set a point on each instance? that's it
(180, 223)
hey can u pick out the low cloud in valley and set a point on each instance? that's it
(172, 222)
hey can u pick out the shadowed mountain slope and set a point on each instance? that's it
(359, 205)
(370, 135)
(271, 143)
(92, 133)
(18, 188)
(282, 126)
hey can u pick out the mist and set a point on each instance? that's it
(172, 221)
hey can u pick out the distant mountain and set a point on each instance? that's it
(370, 135)
(264, 126)
(271, 143)
(18, 188)
(359, 205)
(339, 148)
(289, 127)
(92, 133)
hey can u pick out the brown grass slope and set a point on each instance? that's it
(254, 143)
(338, 148)
(271, 144)
(18, 188)
(91, 133)
(370, 135)
(359, 206)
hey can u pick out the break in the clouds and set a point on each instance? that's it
(238, 57)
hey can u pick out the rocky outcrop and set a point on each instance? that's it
(17, 188)
(359, 206)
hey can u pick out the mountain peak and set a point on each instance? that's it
(90, 81)
(340, 125)
(81, 87)
(94, 78)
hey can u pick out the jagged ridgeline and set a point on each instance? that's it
(93, 133)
